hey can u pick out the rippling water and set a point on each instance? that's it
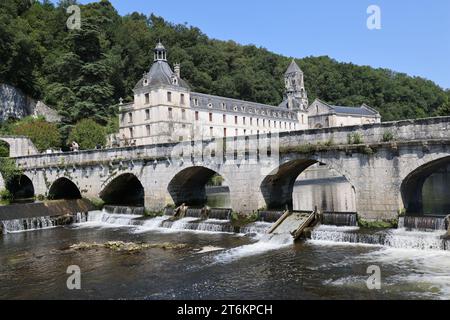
(33, 265)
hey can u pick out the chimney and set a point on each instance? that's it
(177, 70)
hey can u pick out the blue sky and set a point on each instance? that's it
(414, 38)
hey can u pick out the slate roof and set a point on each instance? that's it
(360, 111)
(293, 67)
(160, 74)
(207, 101)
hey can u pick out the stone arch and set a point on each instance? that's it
(412, 185)
(189, 185)
(277, 187)
(125, 190)
(21, 188)
(64, 188)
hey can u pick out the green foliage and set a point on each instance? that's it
(83, 73)
(385, 224)
(5, 195)
(9, 169)
(88, 134)
(240, 220)
(388, 136)
(355, 138)
(4, 149)
(43, 134)
(216, 180)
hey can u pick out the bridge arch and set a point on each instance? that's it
(64, 188)
(412, 188)
(277, 188)
(124, 190)
(21, 188)
(190, 186)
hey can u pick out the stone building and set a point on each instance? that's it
(323, 115)
(166, 110)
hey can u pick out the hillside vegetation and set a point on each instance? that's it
(83, 73)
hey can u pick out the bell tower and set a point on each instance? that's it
(295, 91)
(160, 53)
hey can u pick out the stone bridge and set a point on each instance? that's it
(386, 164)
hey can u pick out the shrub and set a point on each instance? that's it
(88, 134)
(5, 194)
(388, 136)
(43, 134)
(354, 138)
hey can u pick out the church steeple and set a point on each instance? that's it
(295, 88)
(160, 53)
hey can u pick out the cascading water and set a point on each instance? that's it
(124, 210)
(424, 223)
(36, 223)
(163, 223)
(400, 238)
(339, 219)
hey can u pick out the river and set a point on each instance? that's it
(33, 266)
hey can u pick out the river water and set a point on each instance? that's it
(33, 265)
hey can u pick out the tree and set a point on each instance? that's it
(43, 134)
(88, 134)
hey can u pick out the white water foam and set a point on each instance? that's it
(266, 243)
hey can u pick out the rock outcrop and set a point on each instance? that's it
(16, 105)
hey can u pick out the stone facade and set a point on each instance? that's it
(166, 110)
(382, 178)
(323, 115)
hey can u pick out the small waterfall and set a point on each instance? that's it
(423, 223)
(20, 225)
(194, 224)
(258, 227)
(194, 212)
(339, 219)
(400, 238)
(219, 214)
(124, 210)
(36, 223)
(112, 218)
(270, 216)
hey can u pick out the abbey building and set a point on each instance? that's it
(166, 110)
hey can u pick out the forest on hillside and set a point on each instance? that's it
(83, 73)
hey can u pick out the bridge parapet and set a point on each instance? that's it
(405, 130)
(430, 129)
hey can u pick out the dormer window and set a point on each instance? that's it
(146, 82)
(224, 106)
(210, 105)
(174, 81)
(196, 102)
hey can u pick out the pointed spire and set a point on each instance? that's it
(293, 67)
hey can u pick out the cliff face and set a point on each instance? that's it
(15, 104)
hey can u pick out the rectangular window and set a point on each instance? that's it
(170, 113)
(196, 116)
(147, 114)
(183, 114)
(251, 121)
(147, 128)
(130, 117)
(210, 117)
(236, 132)
(182, 98)
(147, 98)
(224, 117)
(211, 131)
(243, 120)
(131, 133)
(224, 106)
(257, 122)
(196, 102)
(169, 96)
(235, 120)
(224, 132)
